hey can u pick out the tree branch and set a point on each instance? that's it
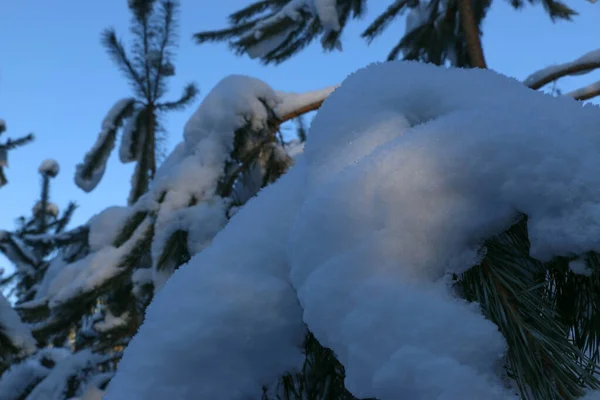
(586, 92)
(584, 64)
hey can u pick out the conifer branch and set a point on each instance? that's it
(168, 9)
(582, 65)
(586, 92)
(11, 144)
(383, 20)
(510, 287)
(116, 50)
(190, 91)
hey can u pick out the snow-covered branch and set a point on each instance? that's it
(333, 233)
(586, 92)
(296, 104)
(15, 336)
(584, 64)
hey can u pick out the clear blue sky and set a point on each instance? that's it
(57, 81)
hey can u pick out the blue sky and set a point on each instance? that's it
(57, 81)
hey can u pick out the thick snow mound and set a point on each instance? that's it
(407, 170)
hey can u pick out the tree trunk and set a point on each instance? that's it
(471, 32)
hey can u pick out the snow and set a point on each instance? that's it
(580, 267)
(111, 322)
(324, 10)
(105, 226)
(294, 148)
(55, 385)
(417, 16)
(103, 146)
(401, 181)
(15, 381)
(591, 59)
(51, 208)
(244, 312)
(109, 121)
(49, 167)
(592, 395)
(93, 271)
(291, 102)
(126, 153)
(585, 91)
(47, 288)
(14, 329)
(202, 222)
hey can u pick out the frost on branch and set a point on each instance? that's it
(408, 170)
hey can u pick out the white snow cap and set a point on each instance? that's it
(49, 167)
(407, 170)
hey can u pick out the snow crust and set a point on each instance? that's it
(49, 167)
(407, 170)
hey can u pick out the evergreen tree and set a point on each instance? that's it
(436, 32)
(6, 147)
(147, 67)
(90, 295)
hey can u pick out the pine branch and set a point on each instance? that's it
(11, 144)
(66, 218)
(190, 91)
(250, 11)
(117, 52)
(175, 252)
(145, 166)
(510, 287)
(133, 133)
(586, 93)
(584, 64)
(89, 172)
(168, 10)
(383, 20)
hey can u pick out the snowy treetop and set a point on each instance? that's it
(399, 148)
(49, 167)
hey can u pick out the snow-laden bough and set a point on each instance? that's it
(407, 170)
